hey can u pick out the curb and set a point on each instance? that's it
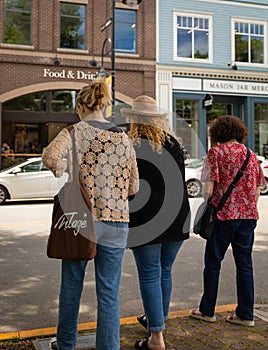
(43, 332)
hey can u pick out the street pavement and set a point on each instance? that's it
(182, 333)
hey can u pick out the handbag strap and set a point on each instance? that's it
(234, 182)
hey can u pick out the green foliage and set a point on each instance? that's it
(17, 22)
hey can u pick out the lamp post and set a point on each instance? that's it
(111, 21)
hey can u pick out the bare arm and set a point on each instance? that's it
(208, 190)
(258, 191)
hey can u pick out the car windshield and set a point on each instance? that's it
(195, 163)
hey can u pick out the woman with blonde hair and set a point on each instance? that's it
(108, 170)
(159, 213)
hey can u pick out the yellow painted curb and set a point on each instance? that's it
(10, 335)
(42, 332)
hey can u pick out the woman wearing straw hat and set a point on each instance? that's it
(159, 213)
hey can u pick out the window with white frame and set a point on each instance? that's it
(249, 41)
(193, 37)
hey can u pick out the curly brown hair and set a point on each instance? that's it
(226, 128)
(95, 96)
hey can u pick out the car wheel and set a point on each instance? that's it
(264, 189)
(194, 188)
(3, 194)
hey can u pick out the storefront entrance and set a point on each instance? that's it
(190, 114)
(31, 121)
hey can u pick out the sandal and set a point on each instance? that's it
(142, 344)
(142, 320)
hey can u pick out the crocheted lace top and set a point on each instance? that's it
(107, 164)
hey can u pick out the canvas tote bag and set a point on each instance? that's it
(72, 232)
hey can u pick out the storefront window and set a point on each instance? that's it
(31, 102)
(219, 109)
(17, 22)
(249, 42)
(125, 31)
(261, 129)
(72, 30)
(187, 124)
(30, 122)
(63, 101)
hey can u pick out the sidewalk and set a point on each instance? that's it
(182, 333)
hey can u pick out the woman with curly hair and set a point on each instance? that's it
(159, 213)
(108, 170)
(235, 222)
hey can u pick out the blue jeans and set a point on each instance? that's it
(108, 265)
(240, 234)
(154, 263)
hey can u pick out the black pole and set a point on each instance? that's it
(113, 59)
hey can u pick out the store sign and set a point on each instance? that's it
(221, 86)
(231, 86)
(68, 74)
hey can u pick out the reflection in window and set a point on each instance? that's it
(261, 129)
(32, 167)
(72, 30)
(17, 22)
(63, 101)
(249, 42)
(219, 109)
(32, 102)
(192, 37)
(187, 124)
(125, 31)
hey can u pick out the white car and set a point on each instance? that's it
(193, 170)
(29, 180)
(264, 166)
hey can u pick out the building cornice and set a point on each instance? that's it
(253, 4)
(193, 72)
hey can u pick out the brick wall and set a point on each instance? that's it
(22, 67)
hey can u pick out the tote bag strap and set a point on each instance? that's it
(232, 185)
(76, 172)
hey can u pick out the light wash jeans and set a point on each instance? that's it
(154, 263)
(112, 238)
(240, 234)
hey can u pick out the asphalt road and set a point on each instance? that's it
(29, 281)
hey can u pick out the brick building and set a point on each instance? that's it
(51, 48)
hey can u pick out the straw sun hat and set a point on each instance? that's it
(143, 106)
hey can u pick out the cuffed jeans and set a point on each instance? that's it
(108, 265)
(154, 264)
(240, 234)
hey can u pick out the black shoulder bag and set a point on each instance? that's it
(206, 214)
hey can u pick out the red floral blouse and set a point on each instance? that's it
(221, 165)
